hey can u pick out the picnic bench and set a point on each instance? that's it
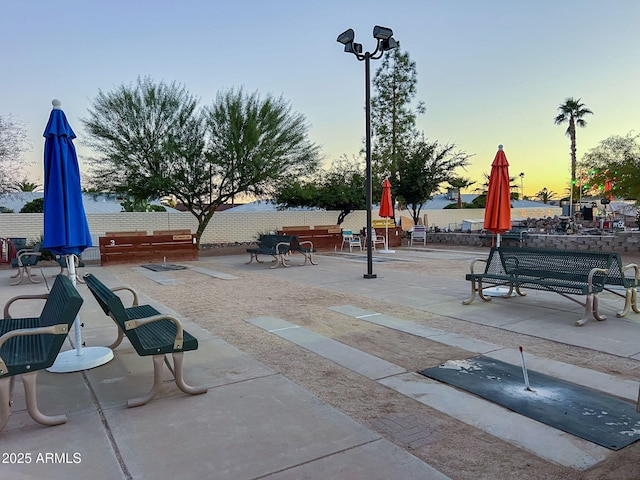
(150, 333)
(565, 272)
(279, 246)
(28, 345)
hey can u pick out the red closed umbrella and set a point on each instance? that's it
(386, 209)
(497, 214)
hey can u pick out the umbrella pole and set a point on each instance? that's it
(386, 239)
(497, 291)
(83, 358)
(71, 268)
(386, 235)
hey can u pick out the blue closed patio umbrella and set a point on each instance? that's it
(65, 224)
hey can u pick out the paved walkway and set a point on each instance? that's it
(253, 422)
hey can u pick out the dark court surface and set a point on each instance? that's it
(594, 416)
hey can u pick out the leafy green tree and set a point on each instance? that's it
(616, 159)
(142, 132)
(460, 183)
(423, 171)
(135, 205)
(393, 119)
(340, 188)
(545, 195)
(153, 141)
(13, 144)
(572, 112)
(34, 206)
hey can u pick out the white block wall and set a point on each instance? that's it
(229, 226)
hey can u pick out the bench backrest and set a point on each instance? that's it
(36, 352)
(568, 264)
(110, 303)
(616, 275)
(62, 305)
(270, 241)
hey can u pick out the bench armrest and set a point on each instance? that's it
(305, 242)
(177, 344)
(476, 261)
(5, 313)
(27, 253)
(592, 273)
(133, 292)
(59, 329)
(636, 271)
(277, 249)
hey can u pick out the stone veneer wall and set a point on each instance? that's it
(620, 242)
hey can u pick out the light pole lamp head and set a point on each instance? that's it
(352, 47)
(382, 33)
(346, 37)
(388, 44)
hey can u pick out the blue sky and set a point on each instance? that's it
(490, 72)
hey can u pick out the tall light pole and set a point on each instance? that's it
(521, 185)
(385, 41)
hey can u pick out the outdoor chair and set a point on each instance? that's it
(26, 259)
(418, 234)
(350, 239)
(375, 239)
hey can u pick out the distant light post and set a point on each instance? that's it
(521, 185)
(385, 42)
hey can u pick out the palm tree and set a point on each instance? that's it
(545, 195)
(572, 111)
(481, 200)
(26, 186)
(459, 183)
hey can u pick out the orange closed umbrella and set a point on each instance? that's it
(386, 207)
(497, 214)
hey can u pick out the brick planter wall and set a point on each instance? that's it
(619, 242)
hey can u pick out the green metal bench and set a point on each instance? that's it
(565, 272)
(28, 345)
(150, 333)
(618, 277)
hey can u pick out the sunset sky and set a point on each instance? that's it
(489, 72)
